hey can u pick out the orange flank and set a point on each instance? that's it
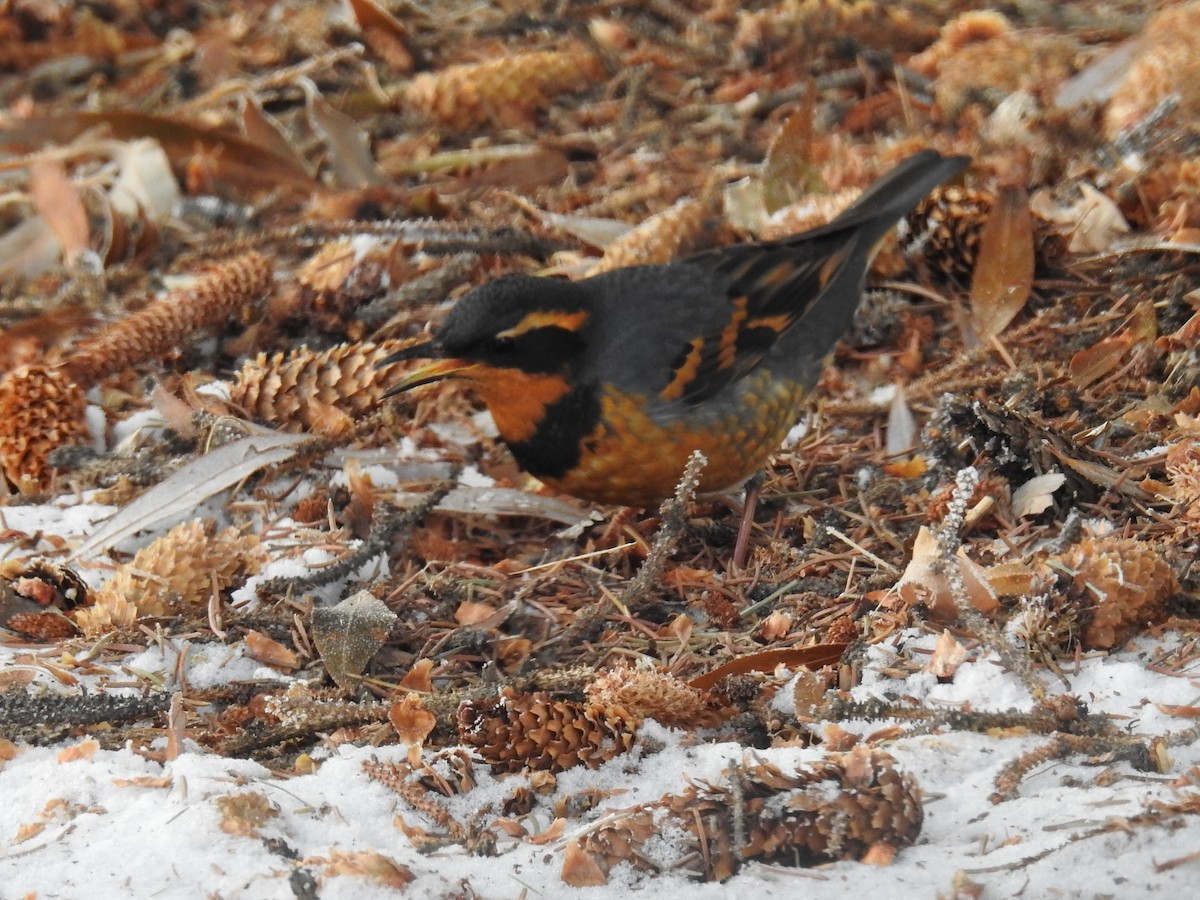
(629, 456)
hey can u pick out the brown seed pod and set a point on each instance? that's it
(508, 91)
(515, 731)
(41, 409)
(1119, 586)
(848, 806)
(677, 230)
(157, 329)
(318, 391)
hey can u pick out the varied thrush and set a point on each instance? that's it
(603, 387)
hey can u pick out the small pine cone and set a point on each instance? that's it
(844, 807)
(154, 331)
(182, 569)
(317, 391)
(508, 91)
(943, 231)
(657, 695)
(1120, 585)
(676, 231)
(514, 732)
(41, 409)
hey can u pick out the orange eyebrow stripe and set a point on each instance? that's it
(568, 321)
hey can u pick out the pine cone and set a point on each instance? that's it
(507, 91)
(944, 229)
(677, 230)
(515, 731)
(158, 328)
(844, 807)
(41, 409)
(317, 391)
(1120, 586)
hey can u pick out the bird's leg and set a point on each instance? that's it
(741, 548)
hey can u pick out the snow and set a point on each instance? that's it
(106, 834)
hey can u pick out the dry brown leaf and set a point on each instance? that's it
(245, 813)
(240, 161)
(1094, 222)
(413, 723)
(347, 635)
(789, 173)
(948, 655)
(384, 34)
(418, 677)
(58, 203)
(270, 651)
(580, 868)
(768, 660)
(471, 613)
(1003, 277)
(85, 749)
(369, 864)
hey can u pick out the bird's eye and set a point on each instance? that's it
(501, 344)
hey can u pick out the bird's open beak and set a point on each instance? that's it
(441, 367)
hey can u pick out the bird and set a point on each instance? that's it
(603, 387)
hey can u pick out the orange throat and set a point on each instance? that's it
(518, 400)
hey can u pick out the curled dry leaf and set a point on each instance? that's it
(85, 749)
(1093, 363)
(413, 723)
(58, 203)
(270, 651)
(349, 634)
(369, 864)
(1037, 494)
(948, 655)
(1094, 222)
(922, 582)
(417, 678)
(1003, 277)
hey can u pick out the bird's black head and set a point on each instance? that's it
(518, 322)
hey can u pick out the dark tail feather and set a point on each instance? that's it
(895, 194)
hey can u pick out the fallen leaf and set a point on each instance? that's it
(347, 635)
(768, 660)
(245, 813)
(948, 655)
(1003, 276)
(369, 864)
(83, 750)
(1037, 494)
(270, 651)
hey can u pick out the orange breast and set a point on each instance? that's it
(634, 459)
